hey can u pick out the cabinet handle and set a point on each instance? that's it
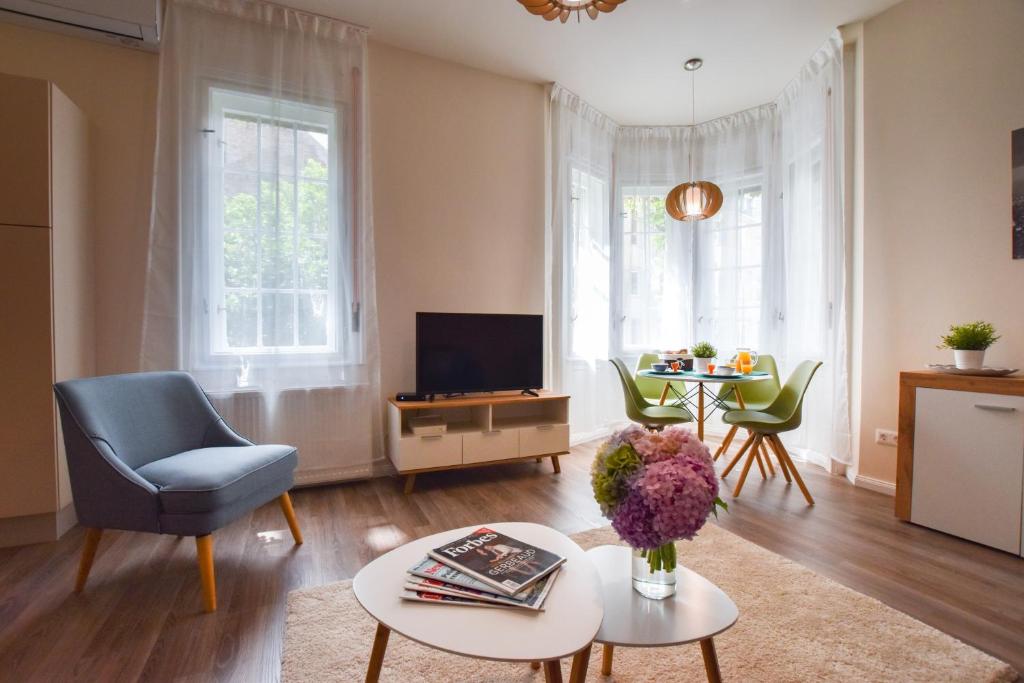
(432, 437)
(493, 432)
(545, 428)
(998, 409)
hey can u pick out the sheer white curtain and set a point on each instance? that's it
(261, 266)
(812, 292)
(579, 260)
(653, 257)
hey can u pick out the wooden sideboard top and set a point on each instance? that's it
(929, 379)
(468, 401)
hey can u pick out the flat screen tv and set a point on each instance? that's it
(461, 353)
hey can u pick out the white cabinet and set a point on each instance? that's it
(968, 465)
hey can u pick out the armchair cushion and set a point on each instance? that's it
(206, 479)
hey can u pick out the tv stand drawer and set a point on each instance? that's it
(418, 452)
(543, 439)
(500, 444)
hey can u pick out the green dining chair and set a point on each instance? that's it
(650, 389)
(639, 410)
(783, 415)
(756, 396)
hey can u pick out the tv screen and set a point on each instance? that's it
(459, 353)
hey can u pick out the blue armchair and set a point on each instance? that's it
(148, 452)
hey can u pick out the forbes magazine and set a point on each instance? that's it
(505, 563)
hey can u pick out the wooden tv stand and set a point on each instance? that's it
(481, 430)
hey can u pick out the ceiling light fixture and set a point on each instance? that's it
(563, 9)
(700, 199)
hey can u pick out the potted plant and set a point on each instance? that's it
(703, 353)
(656, 488)
(969, 342)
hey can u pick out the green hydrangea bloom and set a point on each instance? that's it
(608, 476)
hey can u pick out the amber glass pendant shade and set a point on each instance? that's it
(693, 201)
(563, 9)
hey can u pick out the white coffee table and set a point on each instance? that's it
(566, 628)
(697, 612)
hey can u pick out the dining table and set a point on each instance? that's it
(706, 401)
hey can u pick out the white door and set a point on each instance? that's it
(969, 466)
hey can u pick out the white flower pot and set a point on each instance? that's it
(701, 364)
(969, 360)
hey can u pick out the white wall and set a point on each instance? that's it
(943, 89)
(458, 172)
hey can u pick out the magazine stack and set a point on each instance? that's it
(485, 569)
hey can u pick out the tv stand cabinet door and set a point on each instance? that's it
(422, 452)
(501, 444)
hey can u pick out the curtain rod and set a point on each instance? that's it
(211, 4)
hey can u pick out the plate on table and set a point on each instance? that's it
(982, 372)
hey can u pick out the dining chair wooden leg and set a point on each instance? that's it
(760, 462)
(380, 646)
(553, 671)
(707, 650)
(664, 395)
(726, 442)
(580, 662)
(736, 459)
(92, 542)
(289, 514)
(204, 553)
(796, 474)
(746, 466)
(782, 462)
(767, 460)
(607, 653)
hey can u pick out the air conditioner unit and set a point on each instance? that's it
(134, 23)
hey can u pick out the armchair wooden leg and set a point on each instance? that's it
(204, 553)
(289, 514)
(92, 541)
(792, 468)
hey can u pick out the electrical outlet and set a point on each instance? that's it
(886, 437)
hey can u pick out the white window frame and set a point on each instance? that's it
(571, 245)
(213, 327)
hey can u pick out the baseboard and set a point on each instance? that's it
(41, 528)
(876, 485)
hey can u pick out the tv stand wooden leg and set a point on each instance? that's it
(410, 482)
(554, 464)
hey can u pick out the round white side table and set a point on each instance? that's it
(566, 628)
(698, 611)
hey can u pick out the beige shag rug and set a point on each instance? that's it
(794, 625)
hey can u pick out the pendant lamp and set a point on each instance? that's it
(697, 199)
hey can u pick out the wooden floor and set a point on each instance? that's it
(140, 617)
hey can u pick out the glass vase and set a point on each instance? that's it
(654, 572)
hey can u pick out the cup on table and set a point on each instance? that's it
(711, 368)
(675, 365)
(659, 367)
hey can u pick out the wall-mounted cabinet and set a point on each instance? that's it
(45, 299)
(478, 431)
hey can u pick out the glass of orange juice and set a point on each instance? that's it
(711, 368)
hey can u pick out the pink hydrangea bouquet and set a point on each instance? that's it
(656, 488)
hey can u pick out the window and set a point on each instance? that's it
(728, 271)
(590, 265)
(644, 244)
(274, 245)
